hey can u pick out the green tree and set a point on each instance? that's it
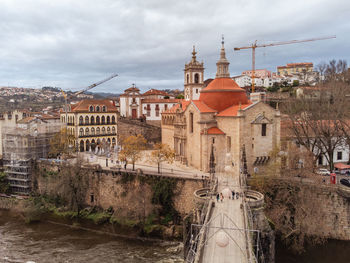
(161, 153)
(131, 149)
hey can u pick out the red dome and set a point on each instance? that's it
(222, 93)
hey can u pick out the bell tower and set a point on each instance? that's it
(194, 74)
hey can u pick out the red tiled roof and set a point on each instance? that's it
(183, 103)
(161, 100)
(202, 107)
(233, 110)
(215, 130)
(83, 105)
(155, 92)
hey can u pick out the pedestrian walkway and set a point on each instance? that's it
(226, 239)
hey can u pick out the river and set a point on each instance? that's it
(46, 243)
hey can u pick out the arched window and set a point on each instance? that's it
(98, 119)
(196, 78)
(87, 143)
(81, 146)
(86, 120)
(91, 108)
(108, 120)
(104, 108)
(81, 132)
(92, 131)
(98, 131)
(87, 131)
(92, 120)
(103, 130)
(113, 130)
(191, 122)
(97, 108)
(108, 130)
(81, 120)
(187, 78)
(113, 120)
(103, 119)
(73, 119)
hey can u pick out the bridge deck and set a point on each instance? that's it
(227, 216)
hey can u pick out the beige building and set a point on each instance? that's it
(223, 119)
(93, 123)
(295, 68)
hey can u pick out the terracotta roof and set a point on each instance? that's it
(215, 130)
(233, 110)
(83, 105)
(222, 93)
(155, 92)
(132, 89)
(161, 100)
(182, 103)
(26, 120)
(202, 107)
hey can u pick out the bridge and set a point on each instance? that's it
(225, 230)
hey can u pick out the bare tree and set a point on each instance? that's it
(161, 153)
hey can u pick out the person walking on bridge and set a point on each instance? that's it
(233, 195)
(217, 197)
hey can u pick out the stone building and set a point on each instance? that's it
(93, 123)
(224, 119)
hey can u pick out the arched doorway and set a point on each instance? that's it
(87, 145)
(81, 146)
(93, 145)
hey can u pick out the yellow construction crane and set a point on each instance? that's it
(255, 45)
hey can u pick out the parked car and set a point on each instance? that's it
(345, 182)
(323, 171)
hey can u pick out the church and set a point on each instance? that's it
(217, 116)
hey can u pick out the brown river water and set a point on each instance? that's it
(45, 242)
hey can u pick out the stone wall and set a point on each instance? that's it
(128, 193)
(128, 127)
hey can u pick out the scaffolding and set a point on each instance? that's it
(22, 145)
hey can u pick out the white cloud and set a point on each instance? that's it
(75, 43)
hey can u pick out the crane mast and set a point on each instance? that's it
(255, 45)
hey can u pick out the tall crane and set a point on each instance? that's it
(255, 45)
(81, 91)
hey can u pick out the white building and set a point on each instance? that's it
(150, 105)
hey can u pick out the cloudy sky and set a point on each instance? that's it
(74, 43)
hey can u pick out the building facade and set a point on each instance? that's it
(225, 120)
(93, 123)
(295, 68)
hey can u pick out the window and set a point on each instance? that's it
(81, 120)
(133, 101)
(108, 130)
(113, 120)
(148, 110)
(91, 108)
(92, 131)
(196, 91)
(157, 110)
(92, 120)
(87, 131)
(320, 160)
(81, 132)
(98, 120)
(339, 155)
(103, 130)
(113, 130)
(213, 140)
(228, 144)
(86, 120)
(196, 78)
(98, 131)
(97, 108)
(263, 129)
(165, 106)
(191, 122)
(108, 120)
(9, 116)
(103, 120)
(187, 78)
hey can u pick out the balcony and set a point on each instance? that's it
(97, 135)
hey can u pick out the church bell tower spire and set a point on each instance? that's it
(194, 74)
(222, 64)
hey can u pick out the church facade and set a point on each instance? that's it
(219, 117)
